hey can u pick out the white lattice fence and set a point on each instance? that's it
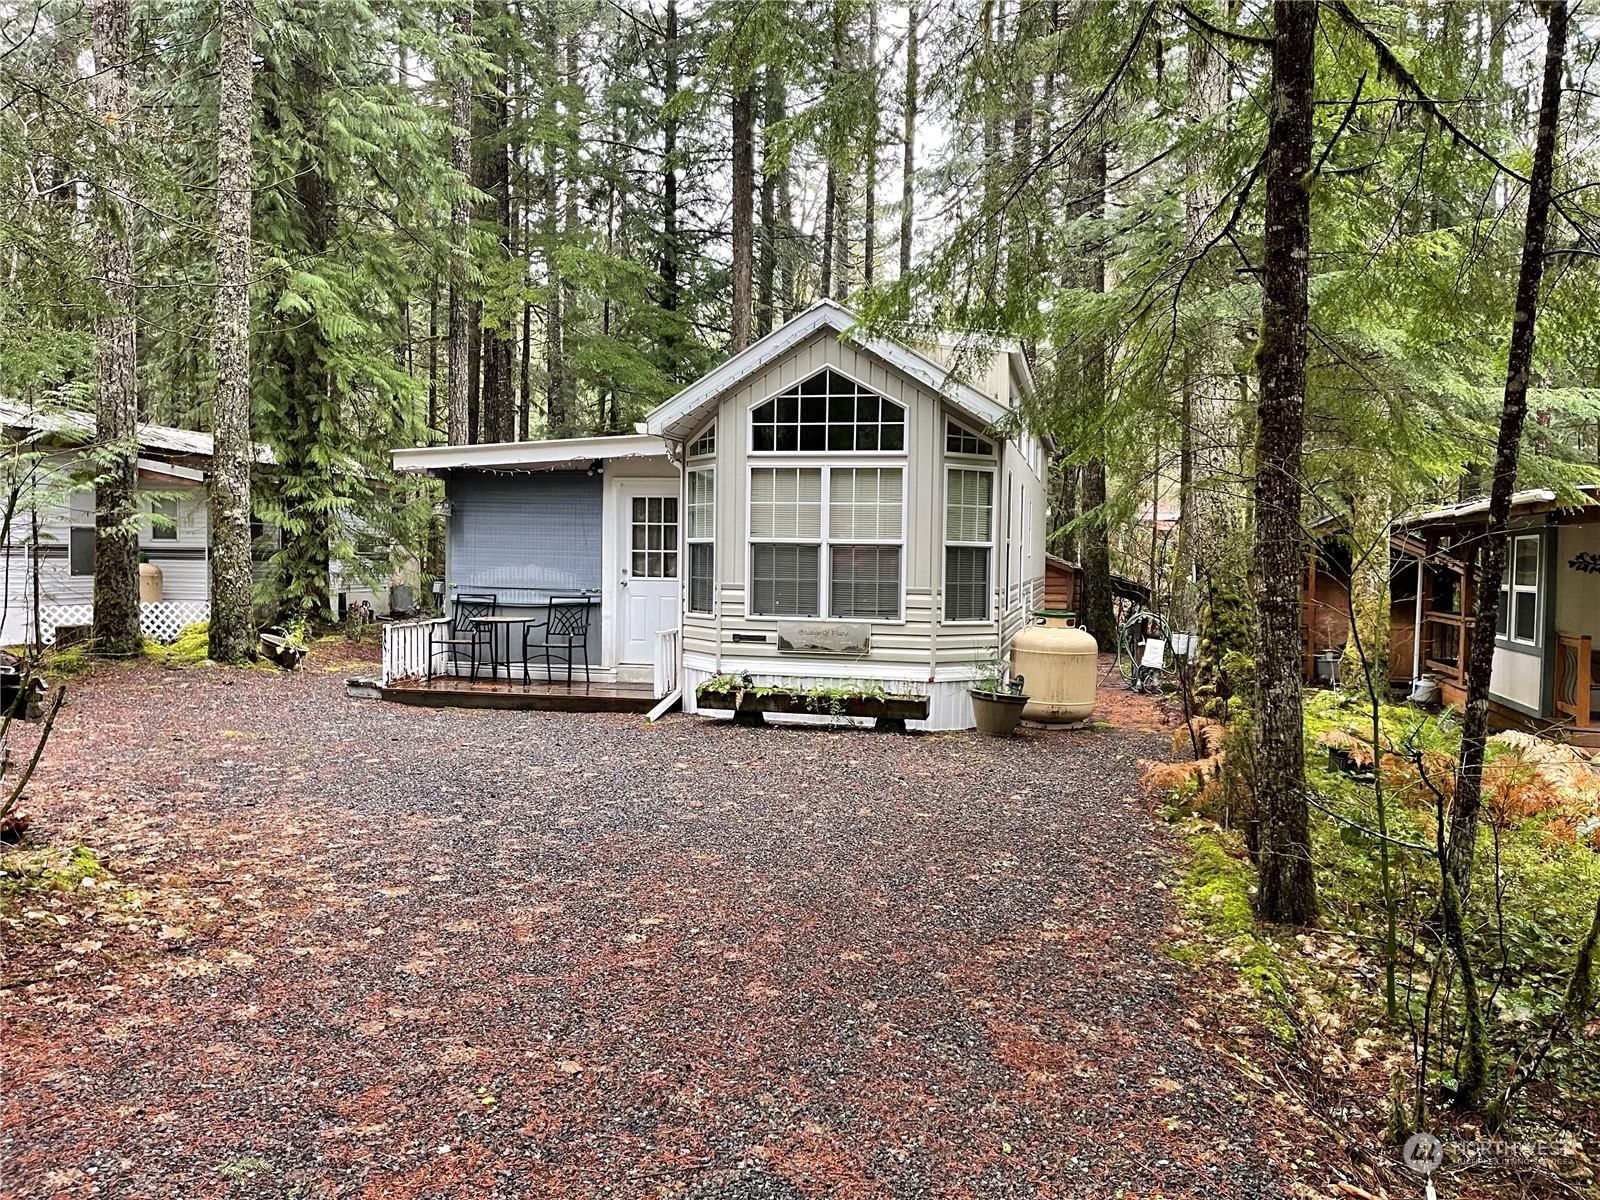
(666, 662)
(51, 615)
(163, 622)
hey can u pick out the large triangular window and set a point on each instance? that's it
(828, 413)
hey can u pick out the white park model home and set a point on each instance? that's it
(823, 507)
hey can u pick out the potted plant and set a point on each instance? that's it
(997, 699)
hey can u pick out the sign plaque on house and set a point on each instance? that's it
(825, 637)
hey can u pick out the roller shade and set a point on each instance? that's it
(864, 504)
(525, 537)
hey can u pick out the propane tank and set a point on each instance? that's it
(1060, 663)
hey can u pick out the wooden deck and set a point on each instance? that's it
(539, 696)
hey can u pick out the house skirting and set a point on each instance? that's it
(949, 705)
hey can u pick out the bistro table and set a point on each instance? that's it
(492, 625)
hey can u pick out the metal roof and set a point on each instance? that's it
(76, 427)
(553, 454)
(1472, 508)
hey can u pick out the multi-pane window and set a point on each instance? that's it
(699, 535)
(785, 541)
(164, 520)
(969, 543)
(655, 537)
(960, 440)
(1518, 618)
(706, 444)
(865, 505)
(828, 413)
(858, 533)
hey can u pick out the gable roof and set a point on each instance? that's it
(684, 413)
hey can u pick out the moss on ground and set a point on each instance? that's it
(1215, 894)
(45, 869)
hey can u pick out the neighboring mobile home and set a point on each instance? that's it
(53, 476)
(173, 533)
(821, 509)
(1545, 666)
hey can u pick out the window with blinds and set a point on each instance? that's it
(784, 580)
(864, 583)
(969, 543)
(860, 539)
(864, 504)
(786, 503)
(828, 413)
(700, 534)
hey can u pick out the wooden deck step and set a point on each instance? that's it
(534, 697)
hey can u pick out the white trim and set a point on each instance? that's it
(165, 468)
(844, 668)
(557, 452)
(685, 407)
(996, 609)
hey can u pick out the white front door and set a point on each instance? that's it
(647, 591)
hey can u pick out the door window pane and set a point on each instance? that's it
(654, 537)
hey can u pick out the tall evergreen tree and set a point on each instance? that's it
(116, 520)
(232, 631)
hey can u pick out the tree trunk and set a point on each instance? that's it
(116, 534)
(909, 171)
(1513, 416)
(1207, 506)
(669, 167)
(1288, 887)
(1099, 617)
(829, 195)
(232, 632)
(456, 431)
(767, 259)
(1369, 592)
(869, 249)
(744, 181)
(433, 366)
(494, 179)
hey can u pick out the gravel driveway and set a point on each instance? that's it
(395, 952)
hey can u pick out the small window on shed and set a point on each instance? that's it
(960, 440)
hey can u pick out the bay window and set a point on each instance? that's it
(699, 536)
(969, 543)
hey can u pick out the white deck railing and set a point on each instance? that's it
(666, 662)
(405, 649)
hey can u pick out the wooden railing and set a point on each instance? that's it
(1443, 633)
(405, 649)
(1575, 677)
(666, 663)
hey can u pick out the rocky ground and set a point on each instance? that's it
(344, 948)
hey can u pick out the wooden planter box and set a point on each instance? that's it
(881, 708)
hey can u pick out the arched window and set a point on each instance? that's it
(828, 412)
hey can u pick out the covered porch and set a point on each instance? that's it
(1546, 668)
(561, 579)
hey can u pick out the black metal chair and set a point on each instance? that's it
(462, 633)
(566, 629)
